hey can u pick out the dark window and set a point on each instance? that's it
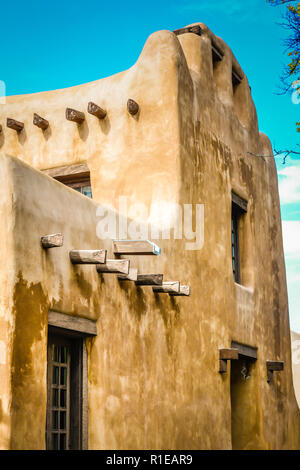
(80, 182)
(75, 176)
(64, 380)
(239, 208)
(235, 246)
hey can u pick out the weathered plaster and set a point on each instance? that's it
(153, 368)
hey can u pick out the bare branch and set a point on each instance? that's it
(276, 153)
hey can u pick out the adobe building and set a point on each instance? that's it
(90, 361)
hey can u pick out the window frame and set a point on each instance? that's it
(72, 330)
(238, 209)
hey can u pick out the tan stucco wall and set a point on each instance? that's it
(153, 368)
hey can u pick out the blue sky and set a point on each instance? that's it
(57, 44)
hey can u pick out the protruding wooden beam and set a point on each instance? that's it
(222, 366)
(189, 29)
(273, 366)
(40, 122)
(132, 107)
(227, 354)
(135, 247)
(88, 256)
(16, 125)
(131, 276)
(95, 110)
(167, 288)
(75, 116)
(71, 322)
(149, 280)
(52, 241)
(115, 266)
(184, 291)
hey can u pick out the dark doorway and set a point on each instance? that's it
(242, 394)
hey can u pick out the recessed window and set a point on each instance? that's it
(81, 183)
(239, 207)
(76, 177)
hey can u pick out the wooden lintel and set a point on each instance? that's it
(149, 280)
(16, 125)
(189, 29)
(79, 325)
(184, 291)
(115, 266)
(95, 110)
(239, 202)
(135, 247)
(40, 122)
(52, 241)
(75, 116)
(167, 287)
(132, 107)
(88, 256)
(131, 276)
(245, 350)
(229, 354)
(68, 171)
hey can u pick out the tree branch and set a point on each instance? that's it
(276, 153)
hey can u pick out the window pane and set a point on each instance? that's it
(62, 442)
(63, 376)
(55, 419)
(55, 375)
(62, 420)
(55, 354)
(87, 191)
(63, 352)
(55, 397)
(55, 441)
(63, 398)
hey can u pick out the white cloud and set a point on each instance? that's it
(291, 238)
(289, 185)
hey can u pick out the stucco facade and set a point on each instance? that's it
(153, 367)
